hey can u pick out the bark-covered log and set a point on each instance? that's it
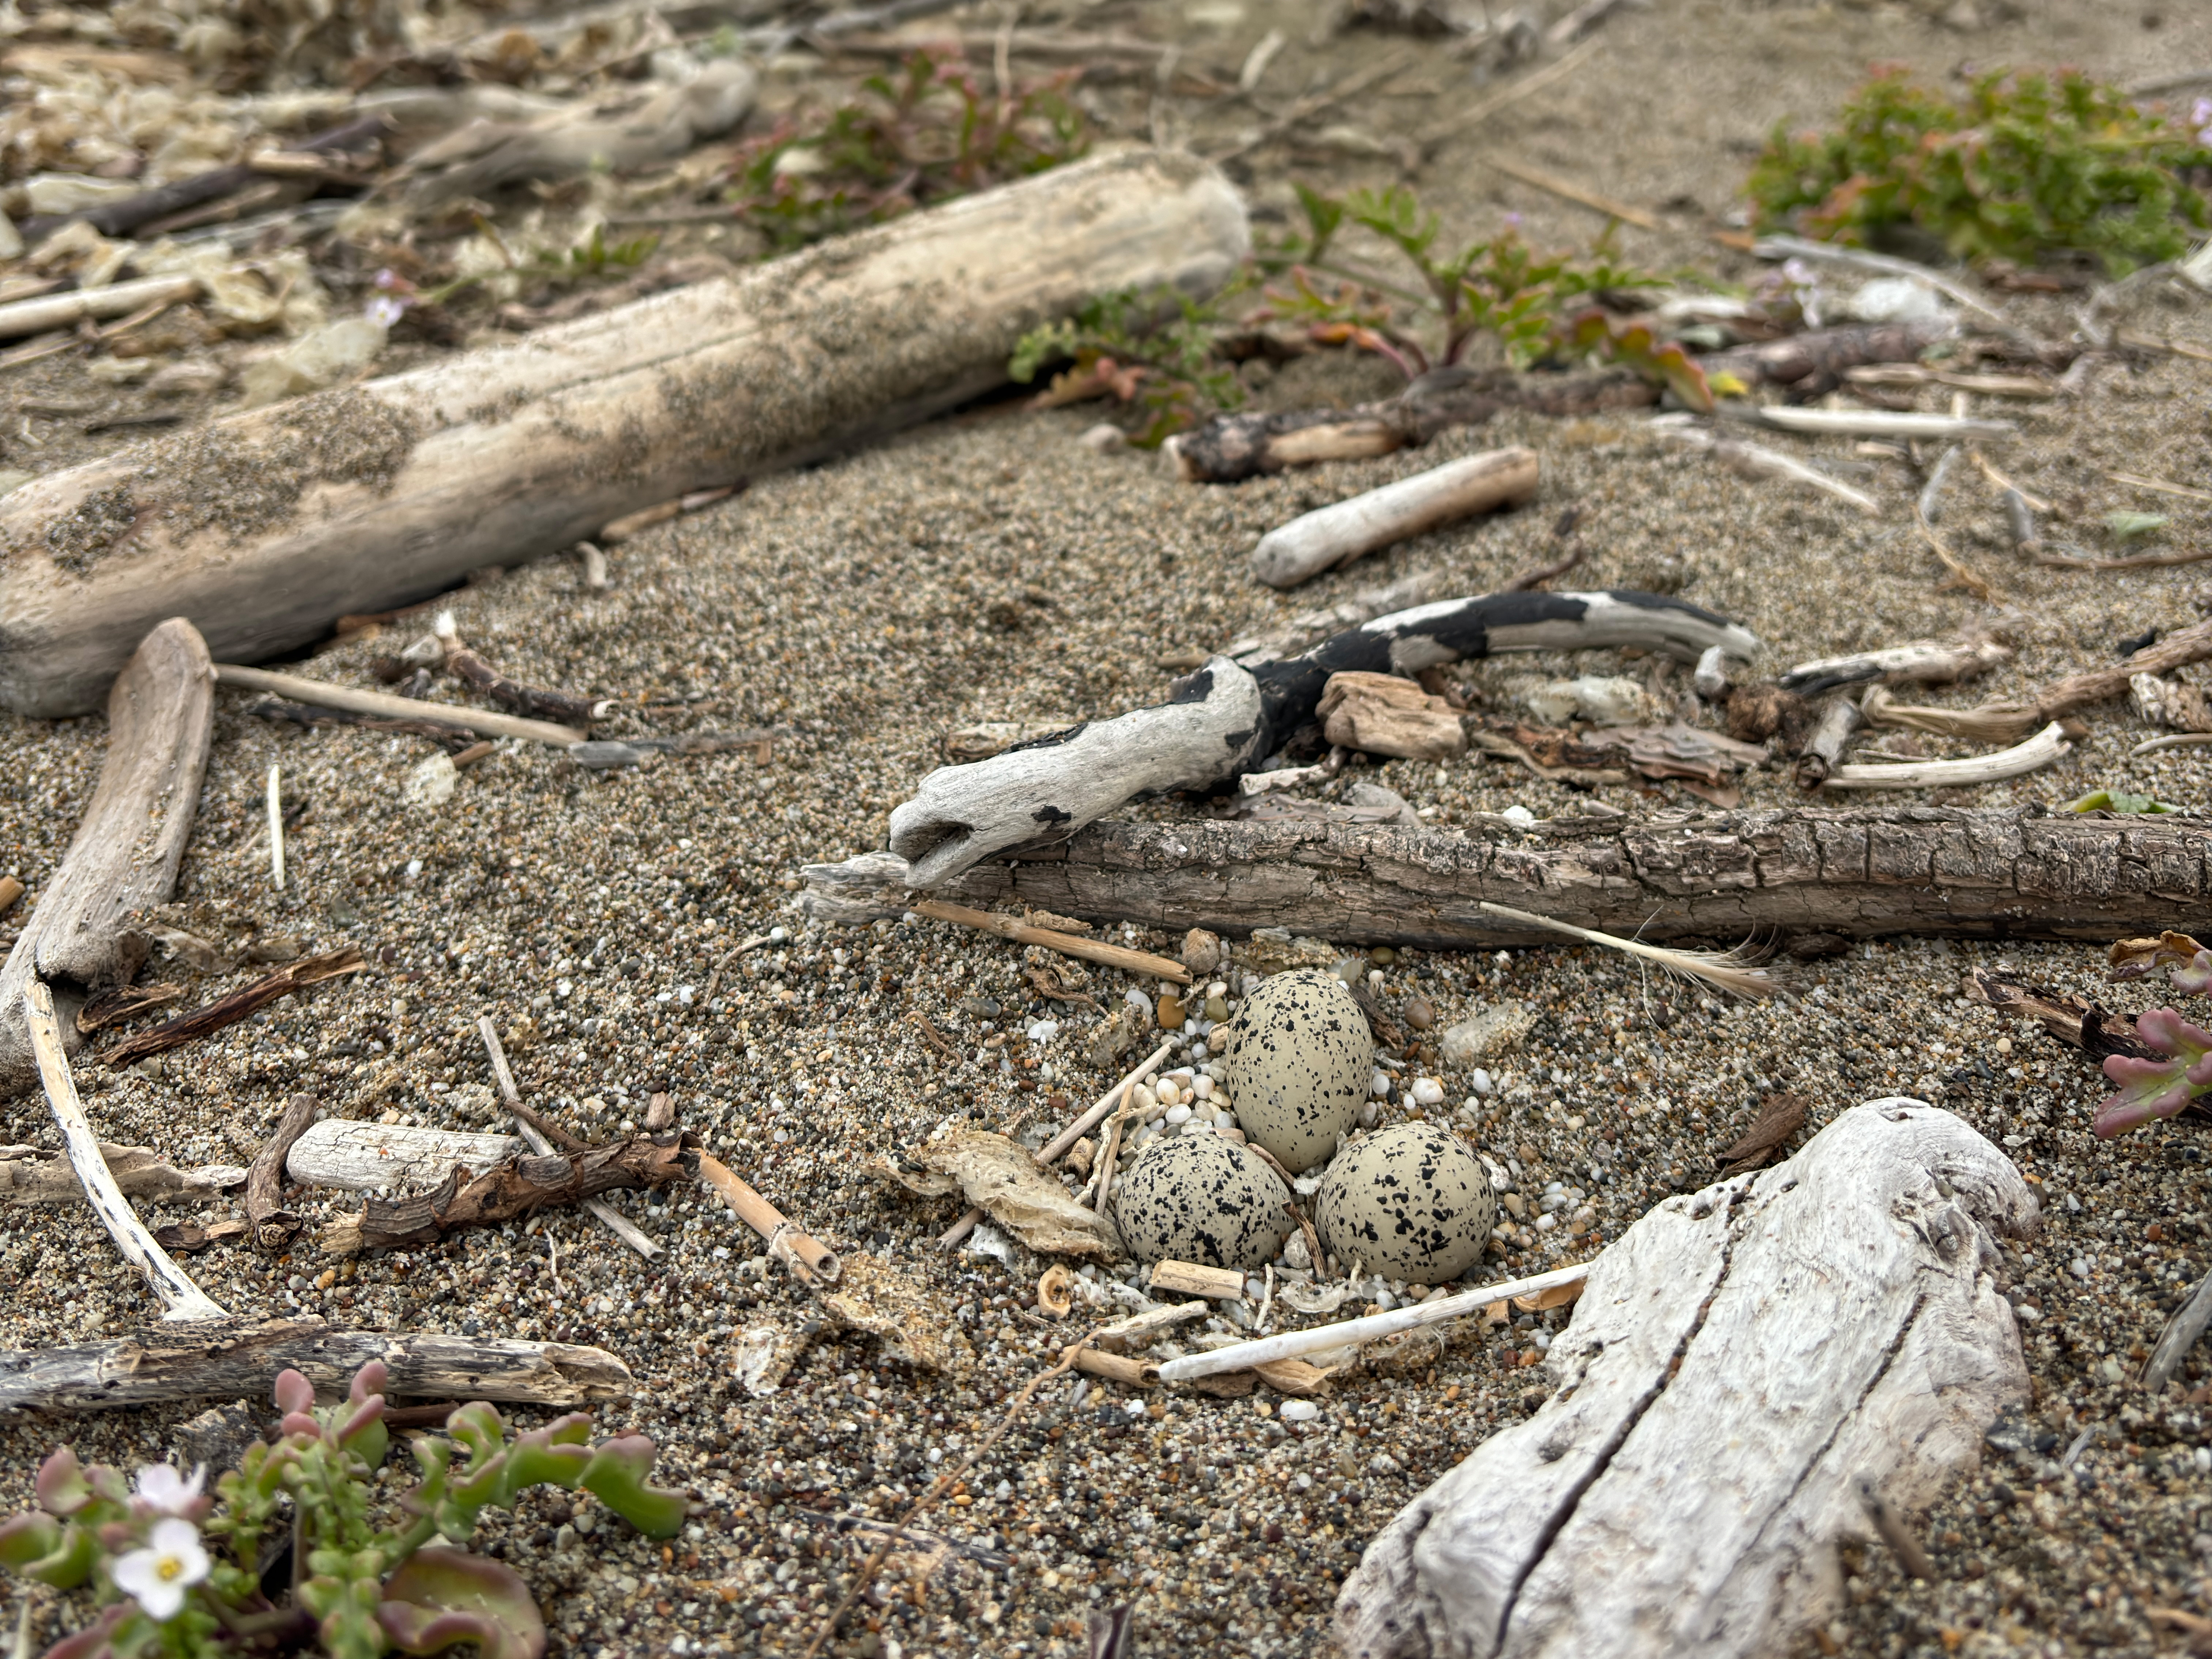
(1749, 1371)
(124, 857)
(265, 526)
(227, 1359)
(1988, 873)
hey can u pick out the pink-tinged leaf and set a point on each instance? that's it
(62, 1489)
(97, 1639)
(441, 1596)
(2152, 1088)
(2196, 977)
(38, 1546)
(616, 1476)
(2165, 1028)
(294, 1393)
(368, 1382)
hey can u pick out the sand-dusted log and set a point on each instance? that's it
(1753, 1374)
(1988, 873)
(264, 527)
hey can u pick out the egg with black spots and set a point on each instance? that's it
(1411, 1202)
(1297, 1060)
(1201, 1198)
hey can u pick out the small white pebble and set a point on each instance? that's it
(1169, 1095)
(1143, 1098)
(1427, 1092)
(1298, 1411)
(1482, 1083)
(1138, 1001)
(1178, 1114)
(1043, 1030)
(1518, 814)
(1202, 1086)
(1379, 1085)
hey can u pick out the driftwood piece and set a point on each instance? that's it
(1224, 719)
(77, 305)
(385, 705)
(810, 1260)
(226, 1012)
(1383, 714)
(485, 156)
(2046, 747)
(272, 1225)
(1986, 873)
(362, 1157)
(28, 1175)
(2074, 1020)
(123, 857)
(1924, 662)
(1757, 461)
(1878, 423)
(1822, 753)
(376, 494)
(1816, 360)
(1330, 538)
(228, 1359)
(509, 1192)
(172, 1283)
(533, 1135)
(465, 664)
(1786, 1342)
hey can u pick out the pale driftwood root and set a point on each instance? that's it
(1740, 1362)
(124, 857)
(1329, 537)
(226, 1359)
(1990, 872)
(405, 483)
(28, 1175)
(1224, 718)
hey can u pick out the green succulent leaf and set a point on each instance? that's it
(441, 1596)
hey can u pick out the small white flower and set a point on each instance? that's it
(164, 1491)
(157, 1577)
(385, 310)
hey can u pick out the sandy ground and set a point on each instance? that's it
(992, 567)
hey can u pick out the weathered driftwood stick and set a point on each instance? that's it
(1925, 662)
(1817, 359)
(384, 705)
(530, 700)
(811, 1260)
(1226, 719)
(1143, 963)
(272, 1224)
(226, 1012)
(600, 1211)
(66, 310)
(1230, 448)
(2073, 1020)
(453, 740)
(1823, 750)
(363, 1157)
(1878, 424)
(2182, 1332)
(1330, 538)
(28, 1175)
(1706, 1342)
(228, 1360)
(489, 456)
(182, 1298)
(1757, 461)
(1990, 873)
(123, 857)
(2044, 748)
(517, 1188)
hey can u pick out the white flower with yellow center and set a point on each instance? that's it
(157, 1577)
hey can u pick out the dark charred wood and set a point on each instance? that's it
(123, 1002)
(272, 1225)
(226, 1012)
(514, 1189)
(525, 699)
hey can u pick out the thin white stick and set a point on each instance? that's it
(384, 706)
(1293, 1345)
(181, 1297)
(1066, 1139)
(276, 829)
(2172, 740)
(1880, 423)
(605, 1214)
(2039, 750)
(1760, 461)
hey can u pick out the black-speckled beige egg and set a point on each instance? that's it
(1202, 1198)
(1412, 1203)
(1299, 1058)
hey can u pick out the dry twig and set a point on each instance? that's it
(224, 1011)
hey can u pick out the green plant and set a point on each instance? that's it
(599, 256)
(2019, 166)
(1161, 350)
(928, 131)
(178, 1573)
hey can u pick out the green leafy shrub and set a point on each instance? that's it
(2020, 167)
(178, 1573)
(928, 131)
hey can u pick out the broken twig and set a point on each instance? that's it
(225, 1012)
(604, 1213)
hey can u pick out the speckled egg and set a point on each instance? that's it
(1412, 1203)
(1202, 1198)
(1299, 1057)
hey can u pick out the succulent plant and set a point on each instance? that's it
(180, 1573)
(2158, 1087)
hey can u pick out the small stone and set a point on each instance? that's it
(1379, 1085)
(1481, 1082)
(1295, 1254)
(1170, 1014)
(1420, 1014)
(1427, 1092)
(601, 755)
(1178, 1114)
(1217, 1009)
(1202, 1086)
(1201, 951)
(431, 783)
(1492, 1031)
(1104, 439)
(1298, 1411)
(1382, 956)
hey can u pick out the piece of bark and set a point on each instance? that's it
(1003, 1179)
(384, 705)
(183, 1299)
(226, 1012)
(141, 211)
(1330, 538)
(1992, 872)
(2074, 1020)
(227, 1359)
(124, 857)
(373, 495)
(1705, 1341)
(28, 1175)
(272, 1224)
(2170, 703)
(1822, 752)
(1383, 714)
(484, 157)
(1813, 363)
(1224, 719)
(368, 1157)
(123, 1002)
(1780, 1116)
(1923, 662)
(509, 1192)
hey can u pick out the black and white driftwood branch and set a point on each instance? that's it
(1224, 719)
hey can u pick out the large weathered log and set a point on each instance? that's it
(228, 1359)
(124, 857)
(1750, 1372)
(1988, 873)
(265, 526)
